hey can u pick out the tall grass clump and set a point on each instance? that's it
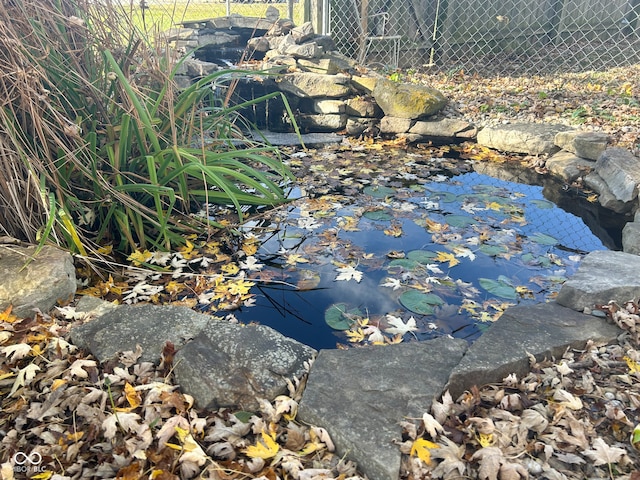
(97, 146)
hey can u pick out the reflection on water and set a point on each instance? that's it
(439, 237)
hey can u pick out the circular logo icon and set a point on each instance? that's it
(20, 458)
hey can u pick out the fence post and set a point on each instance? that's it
(315, 14)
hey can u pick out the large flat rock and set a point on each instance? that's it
(543, 330)
(359, 395)
(35, 282)
(602, 276)
(232, 365)
(531, 138)
(150, 326)
(620, 170)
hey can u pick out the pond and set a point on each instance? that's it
(386, 247)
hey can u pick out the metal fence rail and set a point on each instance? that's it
(485, 36)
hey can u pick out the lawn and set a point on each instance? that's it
(162, 15)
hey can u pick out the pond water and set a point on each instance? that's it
(410, 257)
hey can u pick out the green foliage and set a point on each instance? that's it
(113, 151)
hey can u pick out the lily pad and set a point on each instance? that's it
(542, 203)
(493, 250)
(418, 302)
(406, 263)
(422, 256)
(379, 191)
(445, 197)
(459, 220)
(338, 317)
(378, 215)
(543, 239)
(499, 288)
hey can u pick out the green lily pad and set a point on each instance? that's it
(542, 203)
(379, 191)
(244, 416)
(493, 250)
(337, 316)
(444, 197)
(406, 263)
(418, 302)
(459, 220)
(543, 239)
(422, 256)
(378, 215)
(499, 288)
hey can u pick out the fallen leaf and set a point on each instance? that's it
(265, 449)
(603, 454)
(398, 327)
(422, 449)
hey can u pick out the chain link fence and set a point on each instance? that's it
(494, 36)
(483, 36)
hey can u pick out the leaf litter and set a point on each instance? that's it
(128, 420)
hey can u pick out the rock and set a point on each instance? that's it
(325, 65)
(602, 276)
(631, 238)
(545, 330)
(308, 139)
(313, 85)
(302, 33)
(199, 68)
(568, 166)
(359, 395)
(588, 145)
(252, 23)
(149, 326)
(272, 14)
(530, 138)
(606, 198)
(362, 106)
(445, 128)
(364, 84)
(216, 37)
(326, 42)
(321, 123)
(356, 126)
(407, 100)
(281, 27)
(395, 124)
(232, 365)
(327, 107)
(37, 285)
(259, 44)
(306, 50)
(179, 33)
(620, 170)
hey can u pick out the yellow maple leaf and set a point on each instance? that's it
(355, 336)
(133, 397)
(6, 316)
(447, 257)
(422, 449)
(393, 231)
(230, 268)
(349, 224)
(435, 227)
(634, 367)
(174, 287)
(240, 287)
(294, 258)
(249, 248)
(187, 250)
(486, 439)
(139, 257)
(267, 448)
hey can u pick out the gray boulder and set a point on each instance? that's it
(313, 85)
(605, 196)
(228, 365)
(631, 238)
(407, 100)
(601, 277)
(359, 395)
(620, 170)
(395, 124)
(29, 281)
(530, 138)
(568, 166)
(445, 129)
(588, 145)
(150, 326)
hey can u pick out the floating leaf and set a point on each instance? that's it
(459, 220)
(493, 250)
(543, 239)
(406, 263)
(445, 197)
(379, 215)
(422, 256)
(545, 204)
(498, 288)
(338, 318)
(379, 191)
(419, 302)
